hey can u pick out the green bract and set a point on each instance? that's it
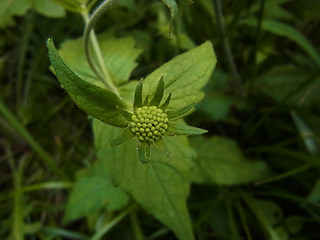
(149, 122)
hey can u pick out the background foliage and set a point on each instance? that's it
(253, 176)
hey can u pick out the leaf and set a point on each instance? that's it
(91, 194)
(156, 99)
(125, 136)
(96, 101)
(49, 8)
(220, 161)
(183, 129)
(138, 95)
(10, 8)
(159, 187)
(184, 76)
(287, 31)
(180, 113)
(69, 5)
(119, 56)
(127, 115)
(314, 196)
(172, 5)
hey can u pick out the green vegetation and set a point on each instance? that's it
(100, 102)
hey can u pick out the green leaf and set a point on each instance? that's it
(119, 57)
(314, 196)
(125, 136)
(96, 101)
(156, 99)
(172, 5)
(159, 187)
(165, 105)
(69, 5)
(182, 129)
(287, 31)
(184, 76)
(138, 95)
(49, 8)
(143, 152)
(90, 194)
(163, 147)
(10, 8)
(221, 161)
(180, 113)
(127, 115)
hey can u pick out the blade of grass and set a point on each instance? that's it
(46, 158)
(108, 226)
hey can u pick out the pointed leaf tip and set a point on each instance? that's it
(123, 137)
(182, 129)
(138, 95)
(155, 101)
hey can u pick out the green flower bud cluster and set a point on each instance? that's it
(148, 123)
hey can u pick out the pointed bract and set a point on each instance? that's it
(127, 115)
(155, 101)
(146, 101)
(182, 129)
(165, 105)
(138, 95)
(180, 113)
(125, 136)
(162, 146)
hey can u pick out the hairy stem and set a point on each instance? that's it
(102, 73)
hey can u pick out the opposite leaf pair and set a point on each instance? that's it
(150, 121)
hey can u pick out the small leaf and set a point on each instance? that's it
(124, 136)
(180, 113)
(172, 5)
(165, 105)
(96, 101)
(155, 101)
(138, 95)
(127, 115)
(148, 153)
(182, 129)
(163, 147)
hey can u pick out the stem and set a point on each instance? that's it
(114, 222)
(90, 35)
(226, 45)
(136, 226)
(46, 158)
(243, 220)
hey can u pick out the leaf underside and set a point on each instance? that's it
(96, 101)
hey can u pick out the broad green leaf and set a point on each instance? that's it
(48, 8)
(10, 8)
(179, 113)
(287, 31)
(221, 161)
(160, 187)
(96, 101)
(91, 194)
(184, 76)
(119, 56)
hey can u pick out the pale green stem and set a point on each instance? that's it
(89, 34)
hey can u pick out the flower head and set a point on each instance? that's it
(149, 122)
